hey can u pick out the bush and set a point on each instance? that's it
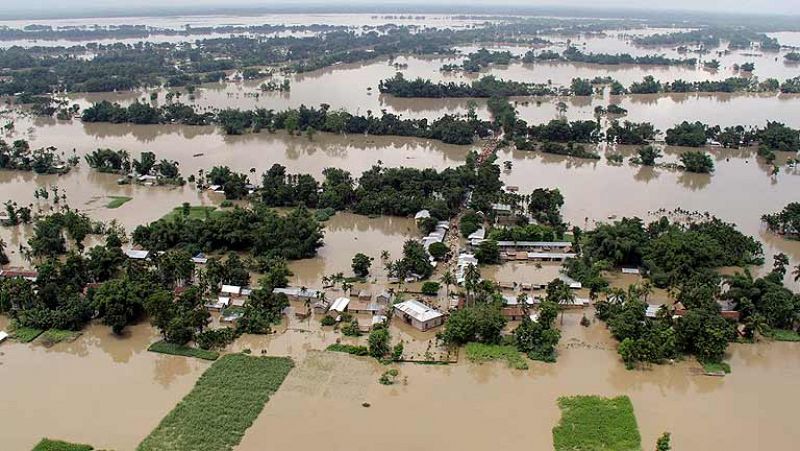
(328, 321)
(430, 288)
(349, 349)
(215, 338)
(47, 444)
(351, 329)
(175, 349)
(438, 250)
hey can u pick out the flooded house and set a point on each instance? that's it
(419, 315)
(298, 293)
(339, 306)
(12, 273)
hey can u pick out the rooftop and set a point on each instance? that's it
(418, 310)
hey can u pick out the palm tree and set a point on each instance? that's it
(471, 278)
(796, 273)
(346, 286)
(385, 255)
(3, 256)
(447, 279)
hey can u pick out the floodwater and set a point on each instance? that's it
(354, 87)
(479, 407)
(594, 190)
(99, 389)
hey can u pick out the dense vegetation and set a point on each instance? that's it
(736, 37)
(449, 129)
(487, 86)
(785, 222)
(222, 405)
(258, 230)
(45, 160)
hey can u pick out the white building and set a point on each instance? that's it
(419, 315)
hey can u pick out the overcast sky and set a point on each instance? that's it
(37, 8)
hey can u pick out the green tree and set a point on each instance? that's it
(361, 264)
(379, 342)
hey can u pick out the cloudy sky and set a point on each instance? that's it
(34, 8)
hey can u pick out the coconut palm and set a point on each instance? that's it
(3, 256)
(472, 276)
(447, 279)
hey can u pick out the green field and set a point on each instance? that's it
(54, 336)
(222, 405)
(785, 335)
(186, 351)
(117, 201)
(57, 445)
(595, 423)
(195, 212)
(479, 352)
(715, 368)
(26, 334)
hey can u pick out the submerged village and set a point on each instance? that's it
(226, 232)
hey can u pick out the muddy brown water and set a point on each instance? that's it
(99, 389)
(740, 190)
(346, 86)
(479, 407)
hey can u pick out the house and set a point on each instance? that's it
(419, 315)
(231, 290)
(364, 306)
(479, 234)
(219, 304)
(200, 259)
(513, 313)
(11, 273)
(652, 310)
(321, 306)
(137, 254)
(298, 294)
(384, 297)
(364, 295)
(422, 214)
(379, 319)
(339, 306)
(630, 271)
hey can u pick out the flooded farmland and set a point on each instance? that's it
(111, 392)
(478, 407)
(99, 389)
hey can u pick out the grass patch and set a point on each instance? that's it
(59, 445)
(26, 334)
(716, 367)
(195, 212)
(53, 336)
(221, 406)
(349, 349)
(186, 351)
(117, 201)
(785, 335)
(595, 423)
(479, 352)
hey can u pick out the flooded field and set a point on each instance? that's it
(479, 407)
(99, 389)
